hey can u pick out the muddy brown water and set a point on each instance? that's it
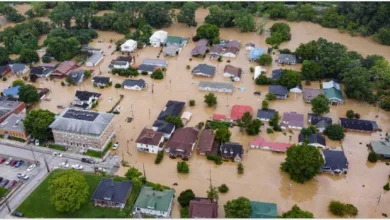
(262, 180)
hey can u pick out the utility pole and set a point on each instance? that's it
(47, 166)
(6, 203)
(32, 151)
(211, 185)
(143, 167)
(127, 146)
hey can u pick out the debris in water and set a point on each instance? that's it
(129, 119)
(175, 184)
(242, 89)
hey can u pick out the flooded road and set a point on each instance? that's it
(262, 180)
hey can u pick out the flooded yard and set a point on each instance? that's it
(262, 180)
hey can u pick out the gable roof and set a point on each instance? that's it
(155, 62)
(174, 40)
(265, 113)
(276, 74)
(275, 146)
(17, 67)
(239, 110)
(149, 137)
(381, 147)
(315, 119)
(125, 58)
(171, 49)
(109, 190)
(217, 49)
(331, 84)
(287, 58)
(199, 50)
(233, 44)
(134, 82)
(65, 67)
(173, 108)
(278, 90)
(13, 91)
(206, 140)
(77, 75)
(95, 58)
(231, 150)
(235, 71)
(40, 70)
(147, 68)
(333, 93)
(255, 53)
(335, 160)
(155, 200)
(85, 95)
(202, 42)
(357, 124)
(4, 69)
(202, 208)
(101, 80)
(163, 126)
(216, 85)
(263, 210)
(182, 140)
(309, 94)
(293, 119)
(313, 139)
(205, 69)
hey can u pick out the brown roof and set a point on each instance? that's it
(200, 49)
(202, 208)
(206, 141)
(64, 67)
(149, 137)
(216, 49)
(233, 50)
(183, 139)
(235, 71)
(234, 44)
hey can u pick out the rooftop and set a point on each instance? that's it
(116, 192)
(265, 113)
(206, 140)
(231, 150)
(293, 119)
(358, 124)
(183, 140)
(275, 146)
(13, 123)
(278, 90)
(264, 210)
(13, 91)
(86, 95)
(154, 200)
(8, 104)
(202, 208)
(205, 69)
(239, 110)
(173, 108)
(335, 160)
(149, 137)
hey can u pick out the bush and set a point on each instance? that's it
(216, 158)
(240, 168)
(270, 131)
(118, 85)
(195, 38)
(373, 157)
(46, 59)
(265, 59)
(4, 79)
(159, 157)
(185, 197)
(182, 167)
(223, 188)
(386, 187)
(144, 73)
(350, 114)
(125, 72)
(341, 209)
(192, 102)
(270, 96)
(57, 147)
(157, 74)
(188, 67)
(62, 83)
(251, 69)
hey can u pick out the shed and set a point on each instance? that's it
(263, 210)
(94, 60)
(129, 46)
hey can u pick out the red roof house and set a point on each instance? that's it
(239, 110)
(219, 117)
(203, 208)
(64, 68)
(269, 145)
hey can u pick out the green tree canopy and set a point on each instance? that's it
(17, 82)
(223, 134)
(182, 167)
(265, 59)
(320, 105)
(62, 15)
(357, 84)
(157, 74)
(310, 70)
(280, 32)
(238, 208)
(245, 22)
(28, 56)
(185, 197)
(220, 16)
(28, 94)
(37, 123)
(209, 32)
(187, 14)
(383, 36)
(157, 14)
(290, 78)
(176, 120)
(62, 49)
(334, 132)
(210, 99)
(4, 55)
(297, 212)
(212, 194)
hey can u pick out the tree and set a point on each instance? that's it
(306, 132)
(245, 22)
(357, 83)
(210, 99)
(264, 105)
(280, 32)
(320, 105)
(132, 173)
(62, 49)
(350, 114)
(159, 157)
(270, 96)
(17, 82)
(310, 70)
(265, 59)
(220, 16)
(33, 78)
(240, 168)
(274, 121)
(253, 127)
(302, 162)
(187, 14)
(385, 104)
(192, 102)
(223, 188)
(185, 197)
(383, 36)
(69, 190)
(209, 32)
(373, 157)
(184, 212)
(157, 74)
(223, 135)
(263, 80)
(28, 56)
(244, 121)
(37, 123)
(212, 194)
(4, 55)
(297, 212)
(62, 14)
(341, 209)
(238, 208)
(290, 78)
(182, 167)
(308, 51)
(28, 94)
(157, 14)
(176, 120)
(334, 132)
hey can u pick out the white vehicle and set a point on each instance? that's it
(63, 164)
(56, 154)
(37, 142)
(77, 167)
(30, 168)
(22, 176)
(8, 161)
(116, 145)
(54, 168)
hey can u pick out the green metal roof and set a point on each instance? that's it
(381, 147)
(264, 210)
(333, 93)
(174, 40)
(156, 200)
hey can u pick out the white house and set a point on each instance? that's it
(120, 65)
(258, 71)
(129, 46)
(297, 89)
(132, 84)
(330, 84)
(158, 38)
(94, 59)
(150, 141)
(315, 140)
(233, 72)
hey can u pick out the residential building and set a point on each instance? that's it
(292, 120)
(276, 74)
(9, 106)
(297, 89)
(264, 210)
(290, 59)
(19, 68)
(101, 81)
(186, 117)
(94, 59)
(64, 69)
(216, 51)
(134, 84)
(382, 147)
(219, 117)
(204, 70)
(158, 38)
(233, 72)
(206, 142)
(202, 208)
(171, 50)
(225, 49)
(147, 68)
(176, 41)
(239, 110)
(12, 92)
(76, 77)
(81, 130)
(4, 70)
(309, 94)
(320, 122)
(156, 62)
(265, 114)
(150, 141)
(315, 140)
(129, 46)
(280, 92)
(166, 128)
(174, 108)
(258, 71)
(91, 50)
(200, 49)
(118, 64)
(334, 95)
(85, 99)
(110, 193)
(255, 54)
(42, 92)
(154, 203)
(249, 46)
(232, 151)
(216, 87)
(41, 71)
(270, 145)
(13, 126)
(331, 84)
(351, 124)
(182, 142)
(335, 162)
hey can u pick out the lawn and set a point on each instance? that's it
(57, 147)
(3, 191)
(38, 204)
(99, 154)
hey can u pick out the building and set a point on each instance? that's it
(258, 71)
(280, 92)
(186, 117)
(287, 59)
(315, 140)
(276, 74)
(176, 41)
(202, 208)
(265, 114)
(94, 59)
(158, 38)
(150, 141)
(87, 48)
(206, 142)
(331, 84)
(4, 70)
(76, 77)
(234, 73)
(134, 84)
(382, 147)
(147, 68)
(200, 49)
(351, 124)
(166, 128)
(219, 117)
(216, 51)
(182, 142)
(13, 126)
(12, 92)
(320, 122)
(270, 145)
(41, 71)
(334, 95)
(292, 120)
(85, 99)
(112, 194)
(129, 46)
(102, 81)
(226, 49)
(297, 89)
(255, 54)
(9, 106)
(232, 151)
(216, 87)
(81, 130)
(239, 110)
(335, 162)
(154, 203)
(249, 46)
(174, 108)
(171, 50)
(19, 68)
(156, 62)
(309, 94)
(264, 210)
(64, 69)
(204, 70)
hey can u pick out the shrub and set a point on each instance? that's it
(182, 167)
(188, 67)
(185, 197)
(270, 131)
(251, 69)
(144, 73)
(386, 187)
(219, 59)
(62, 83)
(264, 105)
(270, 96)
(341, 209)
(118, 85)
(373, 157)
(265, 59)
(240, 168)
(46, 59)
(223, 188)
(216, 158)
(350, 114)
(192, 102)
(157, 74)
(159, 157)
(4, 79)
(195, 38)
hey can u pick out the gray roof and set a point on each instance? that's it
(109, 190)
(287, 57)
(119, 63)
(335, 160)
(134, 82)
(8, 104)
(40, 70)
(85, 95)
(95, 58)
(205, 69)
(156, 62)
(163, 126)
(80, 121)
(313, 139)
(13, 123)
(278, 90)
(17, 67)
(276, 74)
(266, 113)
(216, 85)
(171, 50)
(101, 79)
(77, 75)
(147, 68)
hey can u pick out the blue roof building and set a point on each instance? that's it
(255, 54)
(13, 91)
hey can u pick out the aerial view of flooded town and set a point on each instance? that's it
(194, 109)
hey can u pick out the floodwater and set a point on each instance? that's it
(262, 180)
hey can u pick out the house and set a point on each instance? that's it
(331, 84)
(134, 84)
(287, 59)
(171, 50)
(297, 89)
(150, 141)
(382, 147)
(232, 151)
(9, 106)
(219, 117)
(335, 162)
(13, 126)
(229, 49)
(76, 77)
(320, 122)
(239, 110)
(334, 95)
(12, 92)
(156, 62)
(255, 54)
(215, 87)
(154, 203)
(94, 59)
(117, 64)
(309, 94)
(81, 130)
(176, 41)
(19, 68)
(182, 142)
(101, 81)
(249, 46)
(64, 69)
(158, 38)
(204, 70)
(4, 70)
(315, 140)
(258, 71)
(263, 210)
(281, 92)
(166, 128)
(42, 92)
(265, 114)
(41, 71)
(147, 68)
(270, 145)
(216, 51)
(351, 124)
(202, 208)
(276, 74)
(292, 120)
(232, 72)
(173, 108)
(110, 193)
(206, 142)
(200, 49)
(186, 117)
(91, 50)
(129, 46)
(85, 99)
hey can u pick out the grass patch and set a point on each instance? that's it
(217, 124)
(99, 154)
(57, 147)
(108, 147)
(17, 139)
(3, 191)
